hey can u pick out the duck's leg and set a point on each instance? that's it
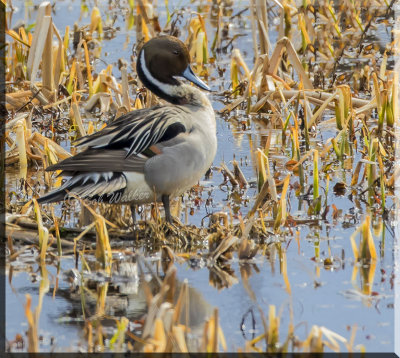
(133, 213)
(165, 201)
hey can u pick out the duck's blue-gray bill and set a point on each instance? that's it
(189, 75)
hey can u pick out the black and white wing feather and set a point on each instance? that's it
(106, 160)
(94, 174)
(138, 130)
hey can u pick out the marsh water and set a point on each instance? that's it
(320, 264)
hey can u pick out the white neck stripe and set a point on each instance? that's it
(168, 89)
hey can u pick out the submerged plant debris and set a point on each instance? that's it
(306, 99)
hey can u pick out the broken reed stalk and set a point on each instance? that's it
(43, 22)
(22, 150)
(96, 23)
(118, 339)
(316, 196)
(261, 169)
(125, 89)
(43, 232)
(57, 230)
(276, 58)
(253, 11)
(33, 317)
(33, 341)
(47, 63)
(280, 219)
(239, 175)
(88, 69)
(229, 174)
(371, 168)
(366, 250)
(76, 117)
(273, 329)
(313, 94)
(237, 63)
(59, 65)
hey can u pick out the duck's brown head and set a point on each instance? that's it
(160, 61)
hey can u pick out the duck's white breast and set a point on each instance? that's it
(181, 165)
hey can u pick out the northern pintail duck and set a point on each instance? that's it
(148, 154)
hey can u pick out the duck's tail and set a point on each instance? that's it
(53, 197)
(87, 186)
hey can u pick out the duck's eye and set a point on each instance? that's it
(176, 52)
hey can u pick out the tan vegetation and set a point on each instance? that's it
(295, 89)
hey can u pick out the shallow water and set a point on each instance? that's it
(321, 294)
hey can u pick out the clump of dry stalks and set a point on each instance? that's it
(295, 88)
